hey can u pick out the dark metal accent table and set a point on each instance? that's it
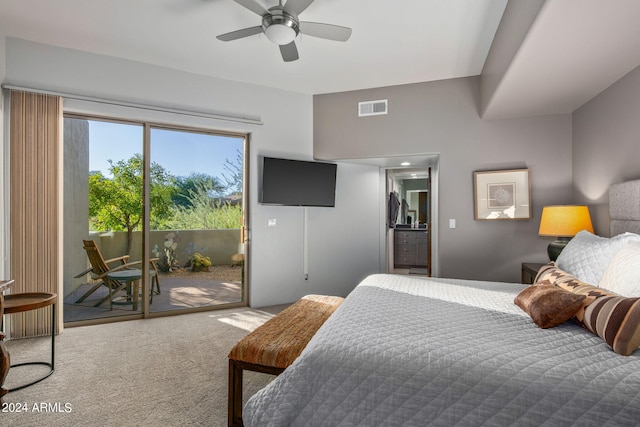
(17, 303)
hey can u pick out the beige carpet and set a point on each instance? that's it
(169, 371)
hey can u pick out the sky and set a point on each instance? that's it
(179, 153)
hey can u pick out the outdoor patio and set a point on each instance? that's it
(180, 289)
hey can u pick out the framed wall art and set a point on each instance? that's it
(502, 194)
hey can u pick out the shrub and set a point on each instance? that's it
(199, 262)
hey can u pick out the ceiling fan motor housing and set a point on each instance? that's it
(280, 26)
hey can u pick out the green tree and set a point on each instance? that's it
(233, 175)
(116, 203)
(186, 186)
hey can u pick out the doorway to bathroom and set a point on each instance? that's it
(409, 231)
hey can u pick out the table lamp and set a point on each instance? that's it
(563, 222)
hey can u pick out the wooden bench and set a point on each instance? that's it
(273, 346)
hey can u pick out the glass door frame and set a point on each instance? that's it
(146, 246)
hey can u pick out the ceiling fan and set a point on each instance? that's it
(281, 25)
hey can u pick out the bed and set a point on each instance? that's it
(404, 350)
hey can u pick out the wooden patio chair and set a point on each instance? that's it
(101, 268)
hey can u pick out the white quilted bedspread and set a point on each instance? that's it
(406, 351)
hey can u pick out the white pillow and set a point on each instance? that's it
(587, 256)
(622, 276)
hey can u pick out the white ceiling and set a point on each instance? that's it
(573, 50)
(393, 42)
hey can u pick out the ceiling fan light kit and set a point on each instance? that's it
(281, 26)
(281, 29)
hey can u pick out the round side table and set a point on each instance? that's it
(17, 303)
(132, 276)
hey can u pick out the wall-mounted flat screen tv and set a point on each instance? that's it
(298, 183)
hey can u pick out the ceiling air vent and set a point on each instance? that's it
(372, 108)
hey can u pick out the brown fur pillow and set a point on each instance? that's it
(548, 305)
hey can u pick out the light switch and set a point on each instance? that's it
(452, 223)
(271, 222)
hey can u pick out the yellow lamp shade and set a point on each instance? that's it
(565, 220)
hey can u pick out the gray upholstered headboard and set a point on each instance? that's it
(624, 207)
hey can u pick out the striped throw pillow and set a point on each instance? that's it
(614, 318)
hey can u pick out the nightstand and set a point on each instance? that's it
(529, 271)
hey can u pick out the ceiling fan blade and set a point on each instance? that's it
(325, 31)
(238, 34)
(297, 6)
(252, 6)
(289, 52)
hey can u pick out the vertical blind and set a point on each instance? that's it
(35, 129)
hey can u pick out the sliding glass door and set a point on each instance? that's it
(195, 231)
(195, 218)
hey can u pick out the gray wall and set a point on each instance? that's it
(76, 198)
(436, 117)
(442, 117)
(606, 145)
(219, 245)
(341, 251)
